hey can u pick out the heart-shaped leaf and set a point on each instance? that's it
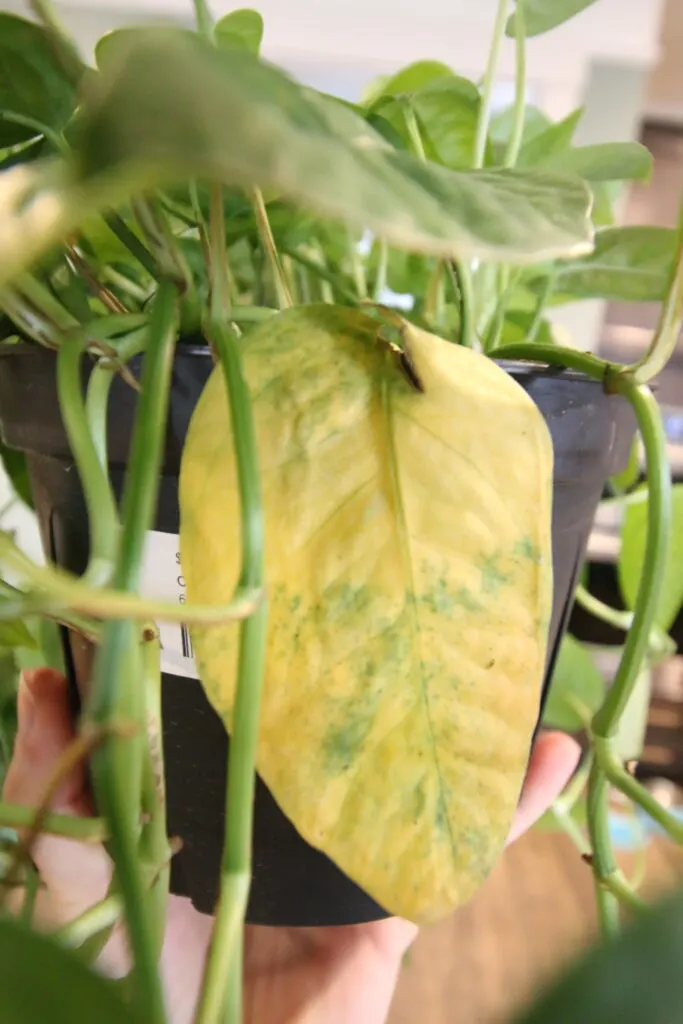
(410, 584)
(408, 80)
(543, 15)
(173, 107)
(33, 81)
(550, 142)
(631, 558)
(240, 30)
(631, 264)
(577, 689)
(447, 113)
(609, 161)
(40, 981)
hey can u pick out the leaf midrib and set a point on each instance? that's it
(386, 395)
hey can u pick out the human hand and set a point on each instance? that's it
(292, 975)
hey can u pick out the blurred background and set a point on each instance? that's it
(622, 61)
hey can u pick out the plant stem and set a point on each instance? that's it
(608, 911)
(657, 548)
(57, 142)
(265, 233)
(154, 849)
(484, 118)
(382, 267)
(84, 830)
(58, 588)
(414, 133)
(515, 142)
(671, 318)
(222, 964)
(557, 355)
(91, 922)
(622, 780)
(103, 521)
(64, 46)
(603, 861)
(97, 397)
(545, 294)
(130, 240)
(203, 19)
(219, 273)
(154, 223)
(116, 693)
(594, 606)
(44, 301)
(462, 286)
(357, 268)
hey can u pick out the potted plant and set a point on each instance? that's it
(401, 461)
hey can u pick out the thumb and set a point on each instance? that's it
(45, 731)
(75, 875)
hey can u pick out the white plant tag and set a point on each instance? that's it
(162, 577)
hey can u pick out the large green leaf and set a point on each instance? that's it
(609, 161)
(40, 981)
(542, 15)
(33, 82)
(630, 566)
(410, 585)
(173, 107)
(576, 689)
(632, 979)
(241, 30)
(627, 264)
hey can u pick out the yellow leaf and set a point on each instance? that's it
(410, 583)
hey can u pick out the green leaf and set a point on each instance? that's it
(33, 83)
(14, 464)
(15, 633)
(407, 81)
(552, 141)
(172, 107)
(517, 325)
(630, 264)
(446, 112)
(503, 122)
(632, 726)
(41, 981)
(609, 161)
(415, 642)
(630, 475)
(576, 689)
(630, 566)
(634, 978)
(240, 30)
(543, 15)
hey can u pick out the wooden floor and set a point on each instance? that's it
(534, 913)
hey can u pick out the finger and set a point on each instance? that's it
(75, 875)
(45, 731)
(553, 760)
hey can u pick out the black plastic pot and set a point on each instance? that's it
(293, 884)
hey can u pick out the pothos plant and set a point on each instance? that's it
(185, 187)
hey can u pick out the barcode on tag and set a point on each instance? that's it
(162, 577)
(188, 651)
